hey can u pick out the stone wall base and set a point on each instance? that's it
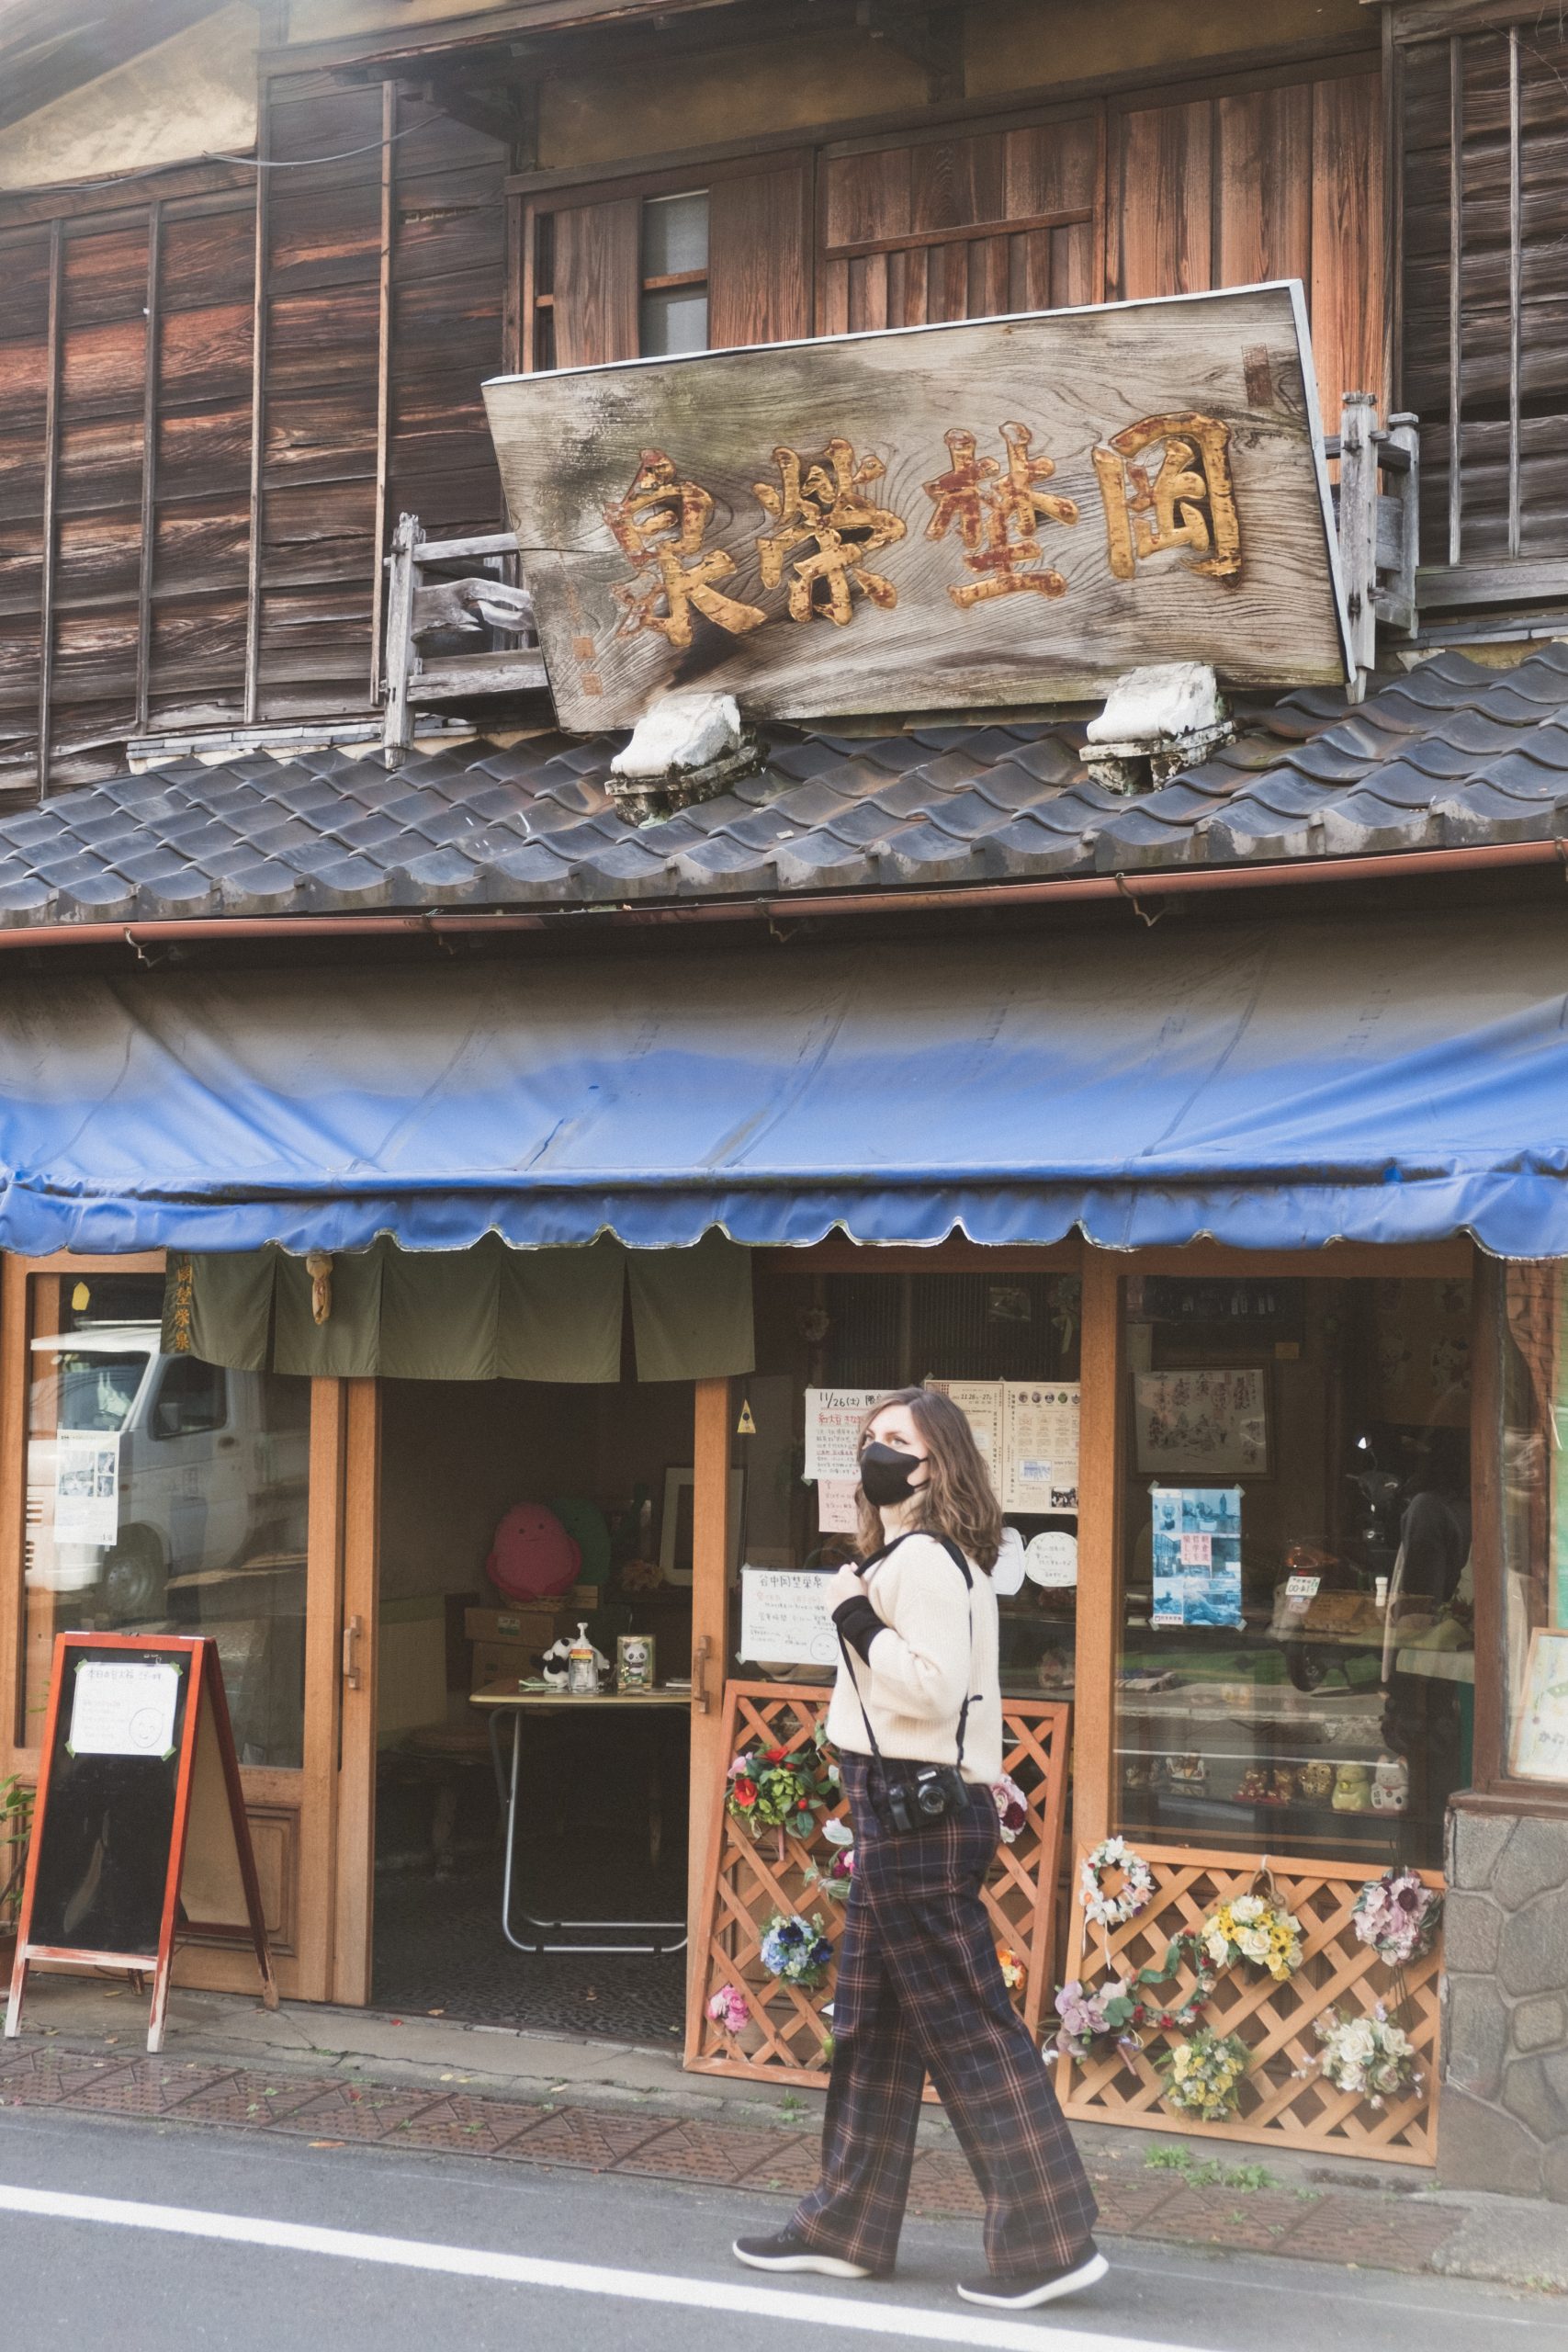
(1503, 2115)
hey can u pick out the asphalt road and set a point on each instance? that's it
(159, 2238)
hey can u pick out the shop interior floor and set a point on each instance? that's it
(438, 1946)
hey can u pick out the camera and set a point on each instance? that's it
(917, 1796)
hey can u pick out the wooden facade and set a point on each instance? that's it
(219, 385)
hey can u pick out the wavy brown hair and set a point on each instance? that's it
(957, 1499)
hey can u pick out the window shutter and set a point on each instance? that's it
(1484, 121)
(596, 281)
(759, 255)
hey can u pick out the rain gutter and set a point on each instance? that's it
(1137, 888)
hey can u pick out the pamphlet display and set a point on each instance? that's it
(86, 1487)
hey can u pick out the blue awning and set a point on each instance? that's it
(1273, 1084)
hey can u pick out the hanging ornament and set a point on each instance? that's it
(746, 1426)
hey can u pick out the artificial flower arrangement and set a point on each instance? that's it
(1369, 2055)
(1204, 2074)
(836, 1880)
(1137, 1883)
(1111, 2012)
(730, 2008)
(780, 1788)
(1011, 1967)
(1398, 1916)
(1012, 1807)
(1256, 1928)
(795, 1950)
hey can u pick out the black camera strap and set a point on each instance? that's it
(955, 1554)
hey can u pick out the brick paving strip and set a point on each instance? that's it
(1370, 2228)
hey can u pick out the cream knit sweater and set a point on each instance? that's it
(938, 1640)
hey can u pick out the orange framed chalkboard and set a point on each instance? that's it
(139, 1832)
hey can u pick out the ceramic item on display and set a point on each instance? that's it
(1186, 1775)
(634, 1661)
(1285, 1788)
(1254, 1786)
(1315, 1781)
(1007, 1577)
(1390, 1784)
(1137, 1773)
(1352, 1789)
(1054, 1672)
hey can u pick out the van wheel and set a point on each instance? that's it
(135, 1578)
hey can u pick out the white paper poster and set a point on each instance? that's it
(1203, 1423)
(123, 1707)
(833, 1418)
(980, 1402)
(1040, 1445)
(1051, 1559)
(86, 1487)
(836, 1510)
(785, 1619)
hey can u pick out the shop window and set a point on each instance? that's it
(1297, 1666)
(1535, 1524)
(163, 1496)
(1009, 1345)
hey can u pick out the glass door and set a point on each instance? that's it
(161, 1494)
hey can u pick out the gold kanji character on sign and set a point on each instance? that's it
(997, 515)
(823, 505)
(661, 523)
(1190, 503)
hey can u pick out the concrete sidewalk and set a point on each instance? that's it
(338, 2075)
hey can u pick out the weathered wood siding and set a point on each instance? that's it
(129, 395)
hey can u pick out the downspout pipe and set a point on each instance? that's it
(1135, 889)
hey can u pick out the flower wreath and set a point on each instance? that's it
(795, 1950)
(1137, 1883)
(1372, 2056)
(1397, 1915)
(777, 1787)
(1256, 1928)
(1203, 2076)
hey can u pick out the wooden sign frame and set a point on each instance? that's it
(983, 513)
(207, 1791)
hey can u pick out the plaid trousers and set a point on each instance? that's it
(920, 1990)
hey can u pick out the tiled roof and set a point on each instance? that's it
(1449, 753)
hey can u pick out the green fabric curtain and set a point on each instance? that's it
(489, 1313)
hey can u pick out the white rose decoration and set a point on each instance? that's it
(1254, 1943)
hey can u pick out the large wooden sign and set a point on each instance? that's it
(1014, 510)
(139, 1832)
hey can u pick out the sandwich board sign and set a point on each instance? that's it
(138, 1831)
(1004, 512)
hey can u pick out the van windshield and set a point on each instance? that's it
(98, 1374)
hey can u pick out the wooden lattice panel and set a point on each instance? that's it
(1277, 2105)
(746, 1884)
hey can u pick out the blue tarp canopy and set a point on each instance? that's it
(1277, 1083)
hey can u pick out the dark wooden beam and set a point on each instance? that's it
(149, 470)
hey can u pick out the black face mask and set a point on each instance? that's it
(886, 1477)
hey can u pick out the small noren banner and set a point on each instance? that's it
(1002, 511)
(138, 1831)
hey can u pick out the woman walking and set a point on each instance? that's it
(917, 1719)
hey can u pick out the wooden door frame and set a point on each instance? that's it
(303, 1973)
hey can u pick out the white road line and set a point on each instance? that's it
(571, 2278)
